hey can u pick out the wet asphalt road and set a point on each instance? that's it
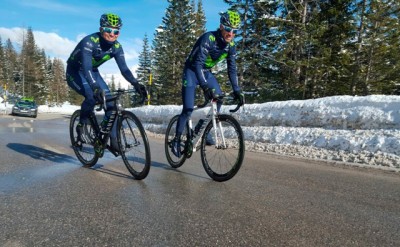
(48, 199)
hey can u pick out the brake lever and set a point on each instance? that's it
(238, 106)
(236, 109)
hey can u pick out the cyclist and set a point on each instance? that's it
(211, 48)
(83, 75)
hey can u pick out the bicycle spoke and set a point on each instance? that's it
(223, 160)
(134, 145)
(174, 161)
(83, 151)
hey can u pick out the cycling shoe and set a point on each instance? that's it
(176, 147)
(83, 135)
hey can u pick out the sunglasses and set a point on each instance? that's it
(111, 30)
(229, 29)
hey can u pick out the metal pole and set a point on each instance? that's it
(150, 81)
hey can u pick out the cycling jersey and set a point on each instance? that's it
(209, 50)
(92, 51)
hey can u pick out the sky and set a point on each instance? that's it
(357, 131)
(58, 25)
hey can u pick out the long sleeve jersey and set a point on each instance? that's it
(209, 50)
(92, 51)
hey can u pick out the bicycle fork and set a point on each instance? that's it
(217, 129)
(127, 145)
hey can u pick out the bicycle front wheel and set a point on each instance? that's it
(84, 151)
(174, 161)
(134, 145)
(223, 159)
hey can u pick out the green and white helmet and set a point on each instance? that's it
(110, 20)
(230, 19)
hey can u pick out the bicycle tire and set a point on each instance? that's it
(134, 145)
(223, 163)
(174, 161)
(83, 151)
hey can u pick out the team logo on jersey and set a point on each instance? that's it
(95, 40)
(212, 38)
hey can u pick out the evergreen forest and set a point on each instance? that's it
(286, 49)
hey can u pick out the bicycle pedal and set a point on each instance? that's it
(99, 151)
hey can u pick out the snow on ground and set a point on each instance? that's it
(362, 131)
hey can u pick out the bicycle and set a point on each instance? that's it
(131, 137)
(221, 161)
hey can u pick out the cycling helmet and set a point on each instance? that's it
(110, 20)
(230, 19)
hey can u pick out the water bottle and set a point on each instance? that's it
(198, 126)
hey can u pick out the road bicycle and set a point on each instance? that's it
(222, 160)
(132, 140)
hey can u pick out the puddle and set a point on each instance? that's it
(17, 130)
(32, 176)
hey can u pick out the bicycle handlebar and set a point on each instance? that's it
(220, 97)
(115, 95)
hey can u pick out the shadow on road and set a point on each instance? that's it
(100, 168)
(40, 153)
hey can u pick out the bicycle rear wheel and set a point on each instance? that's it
(134, 145)
(223, 160)
(174, 161)
(84, 151)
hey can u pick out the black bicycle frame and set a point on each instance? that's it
(103, 135)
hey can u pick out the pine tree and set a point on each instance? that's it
(28, 63)
(263, 41)
(171, 45)
(49, 79)
(10, 66)
(144, 62)
(2, 66)
(159, 62)
(337, 20)
(40, 86)
(310, 56)
(144, 69)
(391, 56)
(377, 53)
(59, 84)
(293, 55)
(255, 43)
(199, 19)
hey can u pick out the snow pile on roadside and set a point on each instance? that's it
(65, 108)
(362, 130)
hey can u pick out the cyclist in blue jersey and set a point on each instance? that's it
(83, 75)
(211, 48)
